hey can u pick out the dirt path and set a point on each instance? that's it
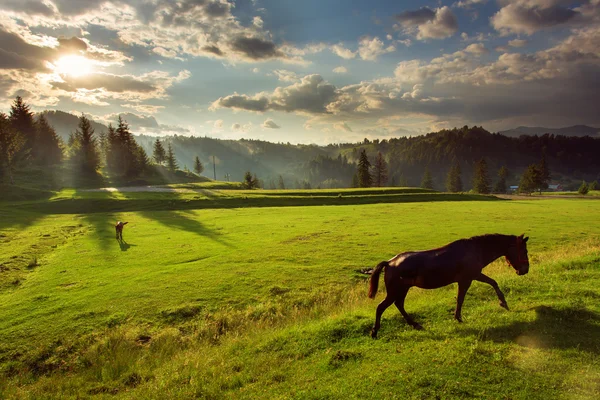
(155, 189)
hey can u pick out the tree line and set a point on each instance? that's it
(29, 141)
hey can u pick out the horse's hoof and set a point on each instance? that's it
(418, 327)
(504, 305)
(373, 334)
(459, 319)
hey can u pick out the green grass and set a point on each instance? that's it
(269, 302)
(591, 193)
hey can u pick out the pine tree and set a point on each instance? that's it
(21, 120)
(454, 180)
(171, 160)
(198, 167)
(11, 143)
(594, 185)
(584, 188)
(427, 181)
(380, 175)
(281, 183)
(85, 155)
(113, 150)
(363, 171)
(142, 159)
(127, 165)
(250, 181)
(355, 182)
(544, 178)
(501, 184)
(159, 153)
(530, 179)
(48, 146)
(481, 181)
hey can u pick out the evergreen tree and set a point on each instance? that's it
(380, 176)
(113, 155)
(21, 120)
(530, 179)
(594, 185)
(171, 160)
(85, 155)
(127, 164)
(501, 184)
(159, 153)
(544, 178)
(48, 146)
(198, 167)
(355, 182)
(427, 181)
(142, 159)
(454, 180)
(584, 188)
(281, 183)
(11, 143)
(250, 181)
(481, 181)
(364, 174)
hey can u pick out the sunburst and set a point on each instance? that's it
(74, 66)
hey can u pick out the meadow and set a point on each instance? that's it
(220, 293)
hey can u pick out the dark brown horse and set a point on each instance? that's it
(461, 261)
(119, 230)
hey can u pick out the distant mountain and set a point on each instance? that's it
(65, 123)
(575, 130)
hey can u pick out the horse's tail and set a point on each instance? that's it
(374, 282)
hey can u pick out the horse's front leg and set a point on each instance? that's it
(486, 279)
(463, 286)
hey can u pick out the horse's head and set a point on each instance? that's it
(517, 255)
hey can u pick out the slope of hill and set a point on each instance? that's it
(65, 123)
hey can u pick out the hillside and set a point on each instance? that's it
(571, 157)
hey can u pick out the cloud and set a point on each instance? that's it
(255, 48)
(342, 126)
(286, 76)
(468, 3)
(427, 23)
(476, 48)
(517, 43)
(310, 96)
(236, 127)
(340, 70)
(270, 124)
(343, 52)
(218, 124)
(528, 17)
(371, 49)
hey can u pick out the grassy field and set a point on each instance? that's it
(231, 294)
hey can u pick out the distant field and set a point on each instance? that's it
(241, 298)
(591, 193)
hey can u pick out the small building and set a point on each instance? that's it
(513, 189)
(555, 187)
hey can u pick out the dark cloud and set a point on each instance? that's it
(429, 24)
(213, 49)
(217, 9)
(73, 44)
(416, 17)
(270, 124)
(255, 48)
(243, 102)
(529, 17)
(16, 53)
(31, 7)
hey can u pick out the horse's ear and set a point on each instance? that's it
(526, 239)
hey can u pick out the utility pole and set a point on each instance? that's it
(214, 168)
(227, 176)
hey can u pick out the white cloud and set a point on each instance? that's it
(517, 43)
(371, 49)
(340, 70)
(343, 52)
(218, 124)
(476, 48)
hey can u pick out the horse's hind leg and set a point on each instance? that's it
(486, 279)
(400, 305)
(388, 301)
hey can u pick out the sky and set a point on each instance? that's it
(306, 71)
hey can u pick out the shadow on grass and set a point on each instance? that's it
(124, 245)
(553, 328)
(188, 223)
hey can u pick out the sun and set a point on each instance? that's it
(74, 66)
